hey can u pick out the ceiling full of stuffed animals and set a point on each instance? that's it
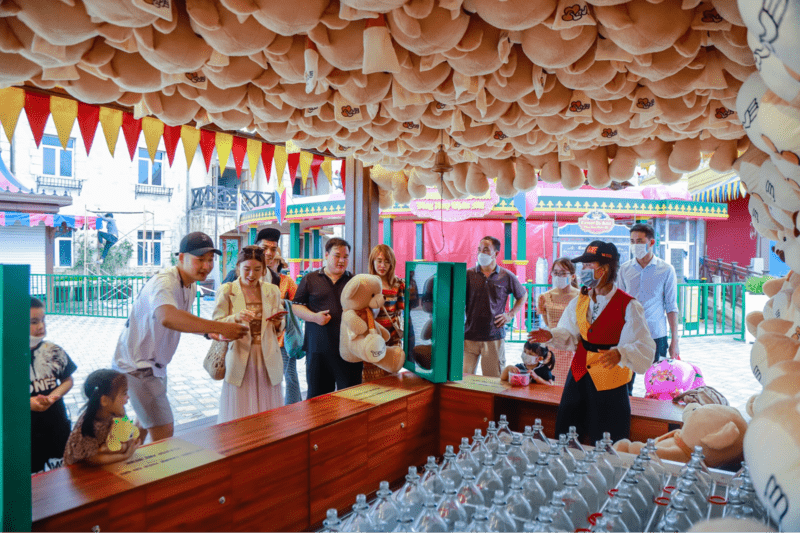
(518, 90)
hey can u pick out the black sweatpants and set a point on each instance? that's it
(328, 372)
(592, 412)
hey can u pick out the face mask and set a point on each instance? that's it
(528, 359)
(560, 281)
(587, 278)
(35, 341)
(640, 250)
(484, 260)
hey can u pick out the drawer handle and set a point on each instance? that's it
(402, 425)
(95, 529)
(485, 419)
(222, 500)
(316, 447)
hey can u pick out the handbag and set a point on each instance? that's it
(293, 334)
(214, 363)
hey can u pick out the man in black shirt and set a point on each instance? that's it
(318, 301)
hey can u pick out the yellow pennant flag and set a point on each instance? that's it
(64, 112)
(190, 137)
(224, 143)
(327, 168)
(280, 159)
(12, 100)
(111, 121)
(153, 131)
(291, 147)
(253, 156)
(305, 165)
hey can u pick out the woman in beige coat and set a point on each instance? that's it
(253, 365)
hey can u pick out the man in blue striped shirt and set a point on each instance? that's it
(653, 282)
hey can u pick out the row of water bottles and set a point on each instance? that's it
(506, 481)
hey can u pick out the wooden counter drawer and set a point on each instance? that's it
(122, 513)
(198, 500)
(388, 425)
(270, 487)
(341, 438)
(460, 413)
(423, 414)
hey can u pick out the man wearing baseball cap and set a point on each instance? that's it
(608, 331)
(160, 313)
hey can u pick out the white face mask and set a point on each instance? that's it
(640, 250)
(561, 282)
(35, 341)
(530, 360)
(484, 260)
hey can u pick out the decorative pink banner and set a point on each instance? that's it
(433, 207)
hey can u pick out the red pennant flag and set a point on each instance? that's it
(316, 163)
(343, 173)
(172, 135)
(37, 109)
(207, 142)
(293, 160)
(239, 150)
(283, 206)
(132, 130)
(267, 153)
(88, 118)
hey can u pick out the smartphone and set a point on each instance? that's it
(279, 314)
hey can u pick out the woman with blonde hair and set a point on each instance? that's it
(382, 263)
(551, 306)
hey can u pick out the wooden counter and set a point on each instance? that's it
(281, 470)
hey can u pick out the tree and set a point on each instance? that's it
(118, 257)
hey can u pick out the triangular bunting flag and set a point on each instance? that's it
(153, 131)
(316, 162)
(131, 130)
(224, 142)
(172, 135)
(111, 121)
(280, 166)
(64, 111)
(12, 100)
(305, 165)
(239, 149)
(190, 137)
(37, 109)
(88, 117)
(253, 152)
(207, 138)
(280, 206)
(293, 160)
(327, 168)
(267, 153)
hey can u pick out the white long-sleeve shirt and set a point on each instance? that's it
(636, 347)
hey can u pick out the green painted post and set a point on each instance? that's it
(252, 236)
(15, 420)
(522, 239)
(420, 245)
(306, 250)
(294, 240)
(388, 237)
(317, 245)
(507, 256)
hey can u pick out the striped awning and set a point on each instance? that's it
(726, 191)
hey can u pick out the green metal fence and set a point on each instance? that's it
(98, 296)
(529, 319)
(708, 309)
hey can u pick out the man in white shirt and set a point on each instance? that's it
(653, 282)
(161, 312)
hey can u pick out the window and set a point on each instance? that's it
(63, 245)
(299, 190)
(150, 171)
(55, 160)
(148, 248)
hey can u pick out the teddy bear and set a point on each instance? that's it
(361, 338)
(122, 430)
(719, 429)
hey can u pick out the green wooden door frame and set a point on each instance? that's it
(15, 419)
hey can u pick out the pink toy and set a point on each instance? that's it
(520, 379)
(668, 378)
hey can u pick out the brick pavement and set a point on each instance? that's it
(194, 396)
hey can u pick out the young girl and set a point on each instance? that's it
(253, 365)
(539, 360)
(107, 393)
(382, 264)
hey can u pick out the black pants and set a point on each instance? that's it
(662, 346)
(327, 372)
(592, 412)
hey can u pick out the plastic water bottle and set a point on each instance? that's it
(544, 475)
(431, 481)
(539, 438)
(469, 495)
(654, 476)
(529, 446)
(384, 511)
(575, 504)
(465, 459)
(488, 481)
(504, 468)
(676, 517)
(602, 478)
(504, 433)
(517, 456)
(602, 456)
(587, 488)
(451, 509)
(412, 494)
(564, 453)
(611, 520)
(429, 519)
(557, 466)
(642, 505)
(544, 521)
(695, 501)
(480, 520)
(574, 445)
(645, 483)
(532, 490)
(332, 524)
(655, 461)
(492, 438)
(405, 521)
(479, 449)
(499, 518)
(561, 519)
(517, 504)
(360, 520)
(630, 514)
(697, 461)
(449, 468)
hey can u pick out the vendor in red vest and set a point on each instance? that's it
(608, 332)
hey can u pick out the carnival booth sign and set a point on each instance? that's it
(434, 207)
(596, 222)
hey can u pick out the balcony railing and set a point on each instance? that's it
(224, 198)
(56, 182)
(153, 190)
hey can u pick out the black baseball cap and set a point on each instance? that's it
(269, 234)
(600, 252)
(197, 243)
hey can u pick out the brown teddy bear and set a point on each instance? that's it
(719, 429)
(361, 338)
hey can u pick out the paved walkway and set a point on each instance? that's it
(194, 396)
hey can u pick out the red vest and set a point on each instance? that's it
(604, 331)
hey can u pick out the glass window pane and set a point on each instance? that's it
(50, 140)
(143, 170)
(143, 153)
(66, 163)
(159, 156)
(71, 144)
(48, 162)
(140, 253)
(64, 252)
(677, 230)
(156, 173)
(139, 235)
(158, 235)
(156, 253)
